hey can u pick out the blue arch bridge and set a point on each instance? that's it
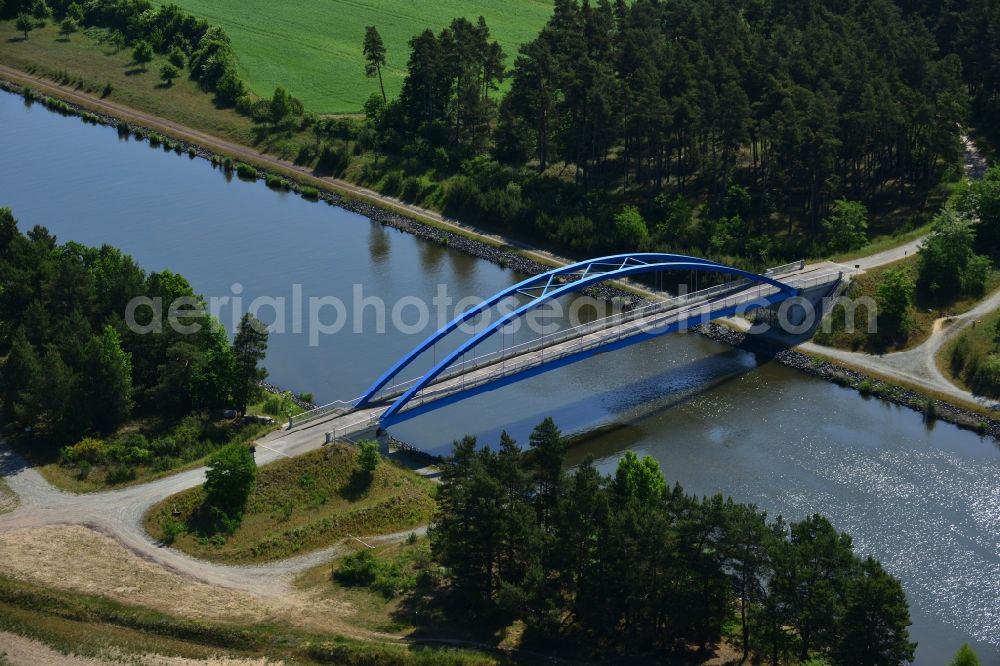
(463, 371)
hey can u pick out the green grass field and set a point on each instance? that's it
(313, 47)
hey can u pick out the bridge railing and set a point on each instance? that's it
(394, 390)
(619, 319)
(587, 341)
(786, 268)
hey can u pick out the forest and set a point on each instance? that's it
(626, 568)
(728, 129)
(72, 366)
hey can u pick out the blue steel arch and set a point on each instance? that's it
(586, 280)
(541, 281)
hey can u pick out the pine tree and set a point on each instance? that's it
(108, 374)
(374, 53)
(548, 451)
(873, 629)
(249, 348)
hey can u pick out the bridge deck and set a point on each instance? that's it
(612, 332)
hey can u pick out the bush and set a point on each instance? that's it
(246, 171)
(308, 192)
(333, 161)
(363, 569)
(88, 450)
(176, 58)
(368, 456)
(462, 198)
(279, 404)
(229, 480)
(171, 530)
(411, 189)
(392, 183)
(276, 182)
(155, 140)
(120, 474)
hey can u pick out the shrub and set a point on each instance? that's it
(866, 386)
(88, 450)
(172, 529)
(363, 569)
(155, 140)
(392, 183)
(227, 164)
(333, 161)
(276, 182)
(176, 57)
(411, 189)
(368, 456)
(120, 474)
(230, 478)
(246, 171)
(462, 198)
(278, 404)
(308, 192)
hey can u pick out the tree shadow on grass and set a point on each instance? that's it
(14, 40)
(132, 71)
(358, 485)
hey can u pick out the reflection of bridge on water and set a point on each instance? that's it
(462, 372)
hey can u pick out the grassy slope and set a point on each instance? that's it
(978, 343)
(303, 504)
(923, 315)
(313, 47)
(93, 626)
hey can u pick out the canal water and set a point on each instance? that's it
(924, 500)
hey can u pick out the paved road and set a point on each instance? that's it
(119, 514)
(919, 365)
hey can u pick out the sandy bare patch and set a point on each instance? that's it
(19, 650)
(76, 558)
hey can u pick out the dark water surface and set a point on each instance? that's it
(924, 501)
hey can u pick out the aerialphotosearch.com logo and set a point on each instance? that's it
(320, 316)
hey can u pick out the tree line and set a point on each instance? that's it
(73, 367)
(723, 123)
(624, 567)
